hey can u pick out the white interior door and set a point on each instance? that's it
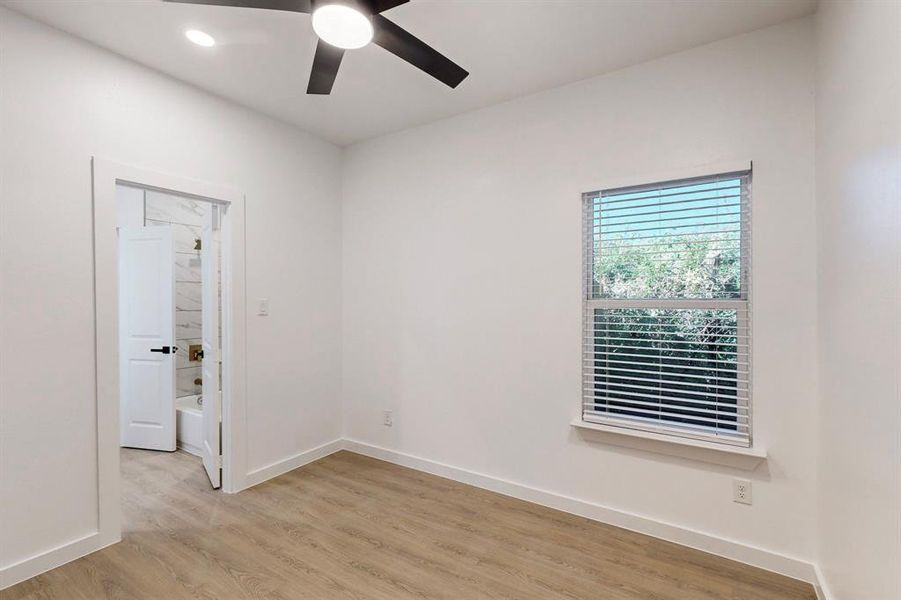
(212, 402)
(147, 337)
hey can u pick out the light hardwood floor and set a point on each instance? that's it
(349, 526)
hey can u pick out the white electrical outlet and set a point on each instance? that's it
(263, 307)
(388, 420)
(741, 491)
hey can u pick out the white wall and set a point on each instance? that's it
(62, 101)
(462, 281)
(859, 205)
(129, 206)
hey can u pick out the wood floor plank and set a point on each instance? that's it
(352, 527)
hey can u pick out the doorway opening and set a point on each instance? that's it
(108, 177)
(170, 324)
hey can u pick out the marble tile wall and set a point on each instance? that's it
(186, 217)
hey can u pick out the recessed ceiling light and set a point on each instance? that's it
(342, 26)
(201, 38)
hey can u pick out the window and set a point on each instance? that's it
(666, 343)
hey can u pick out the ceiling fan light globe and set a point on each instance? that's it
(201, 38)
(342, 26)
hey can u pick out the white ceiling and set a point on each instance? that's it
(510, 47)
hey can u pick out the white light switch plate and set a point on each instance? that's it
(263, 307)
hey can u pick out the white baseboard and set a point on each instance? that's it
(821, 587)
(758, 557)
(260, 475)
(55, 557)
(190, 449)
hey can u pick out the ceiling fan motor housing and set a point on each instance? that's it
(363, 6)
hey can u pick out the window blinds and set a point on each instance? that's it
(666, 343)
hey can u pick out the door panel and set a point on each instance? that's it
(212, 400)
(147, 314)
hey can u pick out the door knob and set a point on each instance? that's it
(166, 349)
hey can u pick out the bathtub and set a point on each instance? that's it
(189, 425)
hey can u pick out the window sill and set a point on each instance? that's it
(736, 457)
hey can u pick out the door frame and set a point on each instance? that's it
(106, 175)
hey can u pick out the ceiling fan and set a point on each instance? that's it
(349, 24)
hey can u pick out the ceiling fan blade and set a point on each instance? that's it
(416, 52)
(300, 6)
(383, 5)
(325, 68)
